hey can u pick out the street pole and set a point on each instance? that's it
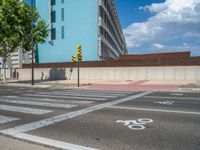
(32, 44)
(78, 73)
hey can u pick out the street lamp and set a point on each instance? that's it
(32, 44)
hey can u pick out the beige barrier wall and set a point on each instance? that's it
(119, 73)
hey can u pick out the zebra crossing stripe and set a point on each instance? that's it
(91, 93)
(102, 91)
(5, 119)
(67, 97)
(50, 142)
(83, 95)
(52, 120)
(38, 103)
(24, 110)
(49, 100)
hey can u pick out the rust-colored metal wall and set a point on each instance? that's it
(166, 59)
(156, 56)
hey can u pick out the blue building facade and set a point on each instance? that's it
(80, 22)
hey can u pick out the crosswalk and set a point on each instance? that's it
(23, 102)
(71, 97)
(26, 110)
(6, 119)
(83, 94)
(50, 101)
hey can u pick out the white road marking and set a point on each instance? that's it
(24, 110)
(50, 142)
(176, 94)
(12, 96)
(5, 119)
(165, 102)
(50, 100)
(138, 124)
(66, 97)
(82, 95)
(63, 117)
(100, 91)
(38, 103)
(91, 92)
(158, 110)
(160, 97)
(7, 90)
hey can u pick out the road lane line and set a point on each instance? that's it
(169, 97)
(6, 119)
(49, 100)
(25, 110)
(50, 142)
(63, 117)
(66, 97)
(56, 105)
(157, 110)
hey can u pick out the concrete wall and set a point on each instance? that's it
(119, 73)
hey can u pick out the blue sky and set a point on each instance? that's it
(154, 26)
(129, 10)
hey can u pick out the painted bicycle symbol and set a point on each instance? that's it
(138, 124)
(165, 103)
(176, 94)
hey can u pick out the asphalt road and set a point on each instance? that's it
(107, 120)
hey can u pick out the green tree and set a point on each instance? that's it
(32, 25)
(18, 22)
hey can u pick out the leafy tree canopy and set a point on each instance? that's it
(18, 21)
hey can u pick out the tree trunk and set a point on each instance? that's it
(4, 71)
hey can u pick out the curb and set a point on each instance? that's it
(42, 86)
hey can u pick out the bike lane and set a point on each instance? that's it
(109, 129)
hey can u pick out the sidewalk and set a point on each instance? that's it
(7, 143)
(150, 85)
(122, 85)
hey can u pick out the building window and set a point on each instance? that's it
(53, 2)
(62, 1)
(53, 16)
(53, 33)
(63, 32)
(62, 14)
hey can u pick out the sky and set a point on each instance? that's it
(156, 26)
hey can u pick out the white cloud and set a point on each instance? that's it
(171, 20)
(158, 46)
(156, 7)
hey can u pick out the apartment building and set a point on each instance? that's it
(93, 24)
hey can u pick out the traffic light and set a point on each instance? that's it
(80, 57)
(74, 58)
(79, 50)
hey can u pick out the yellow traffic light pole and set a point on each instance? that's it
(78, 69)
(78, 58)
